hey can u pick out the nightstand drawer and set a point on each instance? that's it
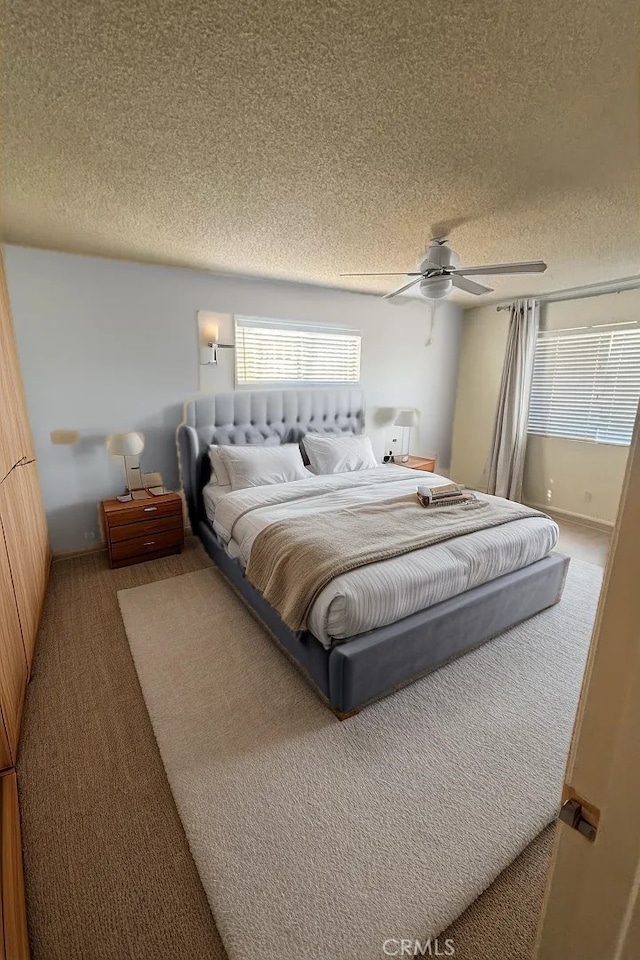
(140, 546)
(144, 510)
(145, 528)
(418, 463)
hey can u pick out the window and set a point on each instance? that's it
(274, 351)
(586, 385)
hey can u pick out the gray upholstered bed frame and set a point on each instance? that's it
(376, 663)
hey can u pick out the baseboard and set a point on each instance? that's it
(581, 518)
(95, 548)
(78, 552)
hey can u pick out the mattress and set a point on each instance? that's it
(380, 593)
(212, 494)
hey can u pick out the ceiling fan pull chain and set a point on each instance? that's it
(432, 312)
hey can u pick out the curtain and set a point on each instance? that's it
(509, 443)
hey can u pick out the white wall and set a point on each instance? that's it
(584, 479)
(109, 346)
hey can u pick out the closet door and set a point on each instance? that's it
(14, 939)
(25, 530)
(15, 434)
(5, 750)
(13, 663)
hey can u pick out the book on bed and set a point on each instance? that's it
(443, 495)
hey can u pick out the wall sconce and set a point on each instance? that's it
(209, 353)
(208, 334)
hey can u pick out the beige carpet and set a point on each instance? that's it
(108, 871)
(386, 826)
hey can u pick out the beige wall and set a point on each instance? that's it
(570, 476)
(575, 477)
(482, 345)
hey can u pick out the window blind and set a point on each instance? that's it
(586, 385)
(273, 351)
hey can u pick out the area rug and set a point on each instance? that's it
(316, 838)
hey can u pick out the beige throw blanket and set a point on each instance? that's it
(292, 560)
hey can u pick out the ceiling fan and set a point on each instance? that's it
(437, 273)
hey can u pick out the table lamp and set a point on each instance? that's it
(127, 445)
(406, 419)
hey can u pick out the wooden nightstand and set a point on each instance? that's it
(143, 529)
(418, 463)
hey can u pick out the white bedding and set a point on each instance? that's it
(380, 593)
(212, 495)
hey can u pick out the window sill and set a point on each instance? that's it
(593, 443)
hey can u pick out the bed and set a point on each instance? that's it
(373, 629)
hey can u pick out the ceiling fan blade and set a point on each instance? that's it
(470, 286)
(395, 293)
(380, 274)
(527, 266)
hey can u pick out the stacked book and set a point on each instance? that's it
(444, 495)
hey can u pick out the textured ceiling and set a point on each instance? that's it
(302, 140)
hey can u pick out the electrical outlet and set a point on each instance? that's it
(587, 496)
(549, 495)
(89, 534)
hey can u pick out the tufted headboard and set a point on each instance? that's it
(257, 417)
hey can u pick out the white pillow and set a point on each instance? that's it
(220, 474)
(250, 466)
(339, 454)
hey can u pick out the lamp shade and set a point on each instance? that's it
(125, 444)
(406, 418)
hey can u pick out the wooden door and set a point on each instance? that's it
(6, 759)
(592, 902)
(15, 433)
(25, 530)
(13, 662)
(14, 942)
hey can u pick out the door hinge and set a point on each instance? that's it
(579, 813)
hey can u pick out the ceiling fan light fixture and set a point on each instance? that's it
(439, 271)
(437, 288)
